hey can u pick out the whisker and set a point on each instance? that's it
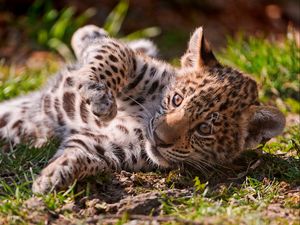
(146, 110)
(197, 166)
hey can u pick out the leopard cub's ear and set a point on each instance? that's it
(263, 123)
(199, 53)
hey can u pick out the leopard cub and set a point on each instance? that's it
(120, 108)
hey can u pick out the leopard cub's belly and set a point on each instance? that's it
(125, 137)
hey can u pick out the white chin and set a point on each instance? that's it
(156, 157)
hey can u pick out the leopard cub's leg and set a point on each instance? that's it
(107, 67)
(94, 91)
(77, 158)
(83, 36)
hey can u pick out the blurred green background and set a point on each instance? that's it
(175, 18)
(260, 37)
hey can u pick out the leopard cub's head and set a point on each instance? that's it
(211, 112)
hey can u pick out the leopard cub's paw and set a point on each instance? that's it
(84, 35)
(101, 100)
(42, 185)
(51, 178)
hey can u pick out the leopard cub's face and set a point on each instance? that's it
(210, 112)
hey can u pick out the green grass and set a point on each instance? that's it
(17, 81)
(266, 193)
(275, 66)
(250, 200)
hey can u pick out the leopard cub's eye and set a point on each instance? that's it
(204, 129)
(177, 100)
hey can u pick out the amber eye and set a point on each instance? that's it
(204, 129)
(177, 100)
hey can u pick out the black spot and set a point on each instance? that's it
(114, 81)
(118, 80)
(152, 71)
(96, 34)
(233, 94)
(115, 69)
(47, 105)
(119, 152)
(101, 137)
(122, 73)
(17, 125)
(140, 100)
(139, 134)
(153, 87)
(93, 86)
(61, 177)
(58, 112)
(65, 162)
(122, 53)
(123, 129)
(83, 112)
(163, 74)
(231, 79)
(73, 131)
(102, 51)
(69, 82)
(115, 44)
(100, 57)
(80, 142)
(107, 46)
(144, 154)
(108, 73)
(137, 80)
(134, 64)
(88, 160)
(130, 146)
(113, 58)
(68, 104)
(133, 159)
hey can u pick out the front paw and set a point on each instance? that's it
(42, 185)
(50, 179)
(101, 101)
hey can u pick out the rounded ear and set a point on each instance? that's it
(199, 53)
(264, 123)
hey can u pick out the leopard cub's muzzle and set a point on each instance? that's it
(170, 128)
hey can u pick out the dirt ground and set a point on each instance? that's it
(138, 198)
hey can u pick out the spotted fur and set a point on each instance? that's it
(118, 108)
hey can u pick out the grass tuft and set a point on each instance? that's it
(275, 66)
